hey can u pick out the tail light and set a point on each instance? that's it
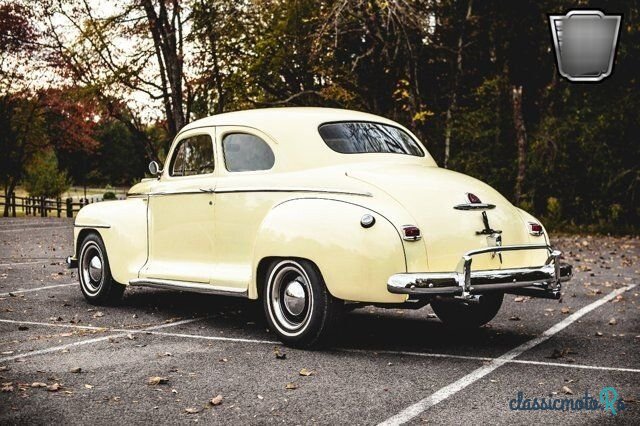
(535, 229)
(411, 233)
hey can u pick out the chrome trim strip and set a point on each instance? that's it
(91, 226)
(248, 189)
(293, 189)
(475, 206)
(188, 286)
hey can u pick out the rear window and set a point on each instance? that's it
(360, 137)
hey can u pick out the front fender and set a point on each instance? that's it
(122, 225)
(355, 262)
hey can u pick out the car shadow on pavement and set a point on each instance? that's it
(365, 328)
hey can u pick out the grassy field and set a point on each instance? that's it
(77, 192)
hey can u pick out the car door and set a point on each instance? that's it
(181, 218)
(243, 199)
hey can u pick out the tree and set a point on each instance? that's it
(34, 123)
(43, 177)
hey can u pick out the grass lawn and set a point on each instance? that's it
(77, 192)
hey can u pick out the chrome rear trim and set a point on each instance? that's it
(475, 206)
(465, 283)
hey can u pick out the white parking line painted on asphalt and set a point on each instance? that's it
(46, 324)
(218, 338)
(24, 263)
(29, 290)
(489, 359)
(419, 407)
(98, 339)
(36, 228)
(347, 350)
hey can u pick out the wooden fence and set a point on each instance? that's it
(43, 207)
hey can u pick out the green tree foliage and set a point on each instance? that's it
(476, 80)
(43, 178)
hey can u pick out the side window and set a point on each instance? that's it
(193, 156)
(244, 153)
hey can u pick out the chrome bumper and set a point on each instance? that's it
(72, 262)
(541, 281)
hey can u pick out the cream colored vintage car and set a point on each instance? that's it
(313, 211)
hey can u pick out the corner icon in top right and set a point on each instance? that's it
(585, 44)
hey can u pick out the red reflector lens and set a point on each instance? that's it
(473, 199)
(535, 228)
(411, 232)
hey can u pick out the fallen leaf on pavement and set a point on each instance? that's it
(54, 387)
(77, 370)
(291, 386)
(599, 333)
(192, 410)
(567, 390)
(88, 386)
(519, 299)
(279, 355)
(217, 400)
(613, 321)
(98, 314)
(514, 318)
(38, 385)
(157, 380)
(565, 310)
(305, 372)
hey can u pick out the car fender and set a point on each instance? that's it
(355, 262)
(122, 224)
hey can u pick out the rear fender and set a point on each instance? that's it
(355, 262)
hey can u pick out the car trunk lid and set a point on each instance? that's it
(430, 195)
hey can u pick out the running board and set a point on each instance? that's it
(188, 286)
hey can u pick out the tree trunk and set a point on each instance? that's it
(454, 95)
(8, 190)
(167, 39)
(521, 139)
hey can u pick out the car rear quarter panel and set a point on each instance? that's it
(355, 262)
(122, 225)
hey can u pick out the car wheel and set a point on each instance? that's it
(298, 305)
(96, 282)
(468, 315)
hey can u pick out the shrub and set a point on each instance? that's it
(43, 178)
(109, 195)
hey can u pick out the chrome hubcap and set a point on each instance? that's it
(95, 269)
(291, 298)
(294, 298)
(91, 268)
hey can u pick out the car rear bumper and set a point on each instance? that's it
(540, 281)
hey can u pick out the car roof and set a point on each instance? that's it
(269, 120)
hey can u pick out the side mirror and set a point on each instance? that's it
(154, 168)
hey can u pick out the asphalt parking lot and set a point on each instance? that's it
(163, 356)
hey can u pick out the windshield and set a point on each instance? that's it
(359, 137)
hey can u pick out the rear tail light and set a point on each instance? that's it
(535, 229)
(411, 233)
